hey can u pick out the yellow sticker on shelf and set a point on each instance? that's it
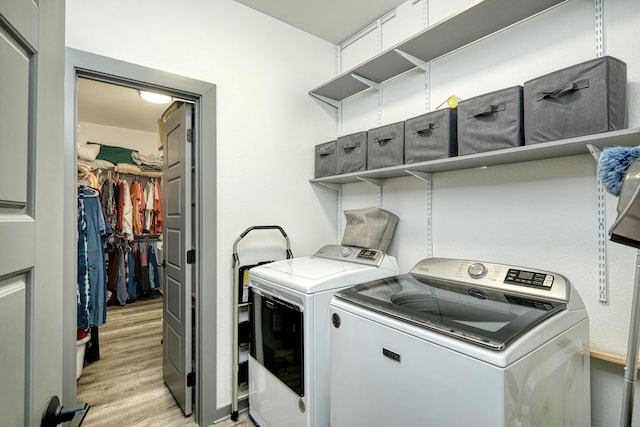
(452, 101)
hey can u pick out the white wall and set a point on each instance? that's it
(540, 213)
(267, 124)
(143, 142)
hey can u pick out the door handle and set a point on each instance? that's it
(55, 413)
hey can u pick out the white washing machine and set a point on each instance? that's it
(289, 352)
(460, 343)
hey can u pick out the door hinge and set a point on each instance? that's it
(191, 256)
(191, 379)
(190, 135)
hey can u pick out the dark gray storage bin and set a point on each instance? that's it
(326, 159)
(583, 99)
(385, 146)
(352, 152)
(492, 121)
(431, 136)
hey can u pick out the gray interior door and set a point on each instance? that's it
(31, 134)
(177, 236)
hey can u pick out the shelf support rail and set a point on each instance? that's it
(601, 237)
(426, 177)
(601, 201)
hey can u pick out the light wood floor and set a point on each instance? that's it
(125, 387)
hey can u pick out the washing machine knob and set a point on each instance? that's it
(477, 270)
(346, 251)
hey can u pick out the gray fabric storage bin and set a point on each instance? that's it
(371, 228)
(431, 136)
(326, 159)
(385, 146)
(492, 121)
(583, 99)
(352, 152)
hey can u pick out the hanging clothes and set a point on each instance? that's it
(144, 269)
(91, 284)
(157, 207)
(149, 198)
(136, 193)
(109, 202)
(111, 258)
(88, 179)
(127, 210)
(154, 275)
(131, 280)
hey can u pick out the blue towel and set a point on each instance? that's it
(613, 164)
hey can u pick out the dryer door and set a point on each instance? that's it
(277, 339)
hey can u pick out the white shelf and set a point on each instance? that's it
(474, 23)
(546, 150)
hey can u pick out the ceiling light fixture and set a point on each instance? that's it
(155, 98)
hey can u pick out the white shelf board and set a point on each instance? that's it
(471, 24)
(525, 153)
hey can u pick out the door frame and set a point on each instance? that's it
(203, 94)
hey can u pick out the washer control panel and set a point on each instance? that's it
(512, 280)
(529, 278)
(352, 254)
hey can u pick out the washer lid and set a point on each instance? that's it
(487, 317)
(314, 274)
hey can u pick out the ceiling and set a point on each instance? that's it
(331, 20)
(112, 105)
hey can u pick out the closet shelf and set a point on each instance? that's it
(474, 23)
(547, 150)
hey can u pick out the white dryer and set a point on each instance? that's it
(289, 352)
(460, 343)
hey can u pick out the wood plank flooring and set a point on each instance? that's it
(125, 387)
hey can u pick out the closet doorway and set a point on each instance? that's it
(140, 128)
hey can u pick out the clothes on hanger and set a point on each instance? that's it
(132, 270)
(91, 281)
(88, 179)
(157, 206)
(109, 201)
(149, 198)
(126, 210)
(138, 203)
(132, 210)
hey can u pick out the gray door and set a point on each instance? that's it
(31, 150)
(177, 236)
